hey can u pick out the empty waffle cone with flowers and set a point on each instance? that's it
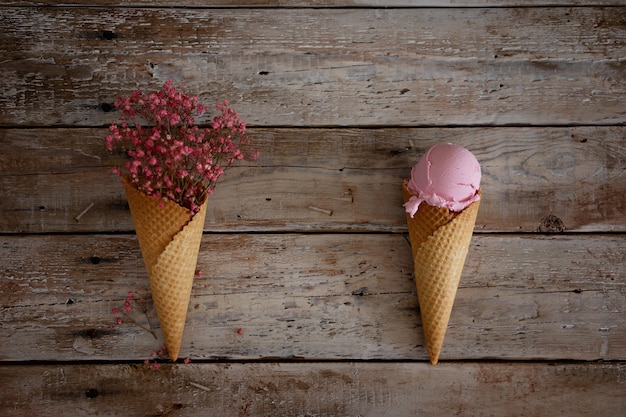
(173, 168)
(441, 202)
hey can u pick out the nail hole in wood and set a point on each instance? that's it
(92, 393)
(360, 292)
(95, 260)
(108, 35)
(107, 107)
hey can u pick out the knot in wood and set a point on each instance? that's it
(551, 223)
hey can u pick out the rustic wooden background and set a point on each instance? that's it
(307, 305)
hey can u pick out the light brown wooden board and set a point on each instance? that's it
(321, 67)
(575, 176)
(315, 389)
(317, 296)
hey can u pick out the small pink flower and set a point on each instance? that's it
(187, 360)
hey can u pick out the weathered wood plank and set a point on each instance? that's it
(577, 174)
(316, 389)
(318, 296)
(316, 67)
(318, 3)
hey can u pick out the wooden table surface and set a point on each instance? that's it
(306, 305)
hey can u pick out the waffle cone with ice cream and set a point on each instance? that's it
(169, 237)
(441, 200)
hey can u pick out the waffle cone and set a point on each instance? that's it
(440, 239)
(169, 238)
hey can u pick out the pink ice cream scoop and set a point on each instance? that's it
(446, 176)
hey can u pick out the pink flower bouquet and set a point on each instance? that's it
(173, 167)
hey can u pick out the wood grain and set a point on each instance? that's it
(316, 389)
(575, 175)
(306, 304)
(319, 3)
(318, 296)
(321, 67)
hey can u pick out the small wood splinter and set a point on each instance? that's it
(321, 210)
(82, 213)
(202, 387)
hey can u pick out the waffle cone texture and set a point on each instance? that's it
(440, 240)
(169, 238)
